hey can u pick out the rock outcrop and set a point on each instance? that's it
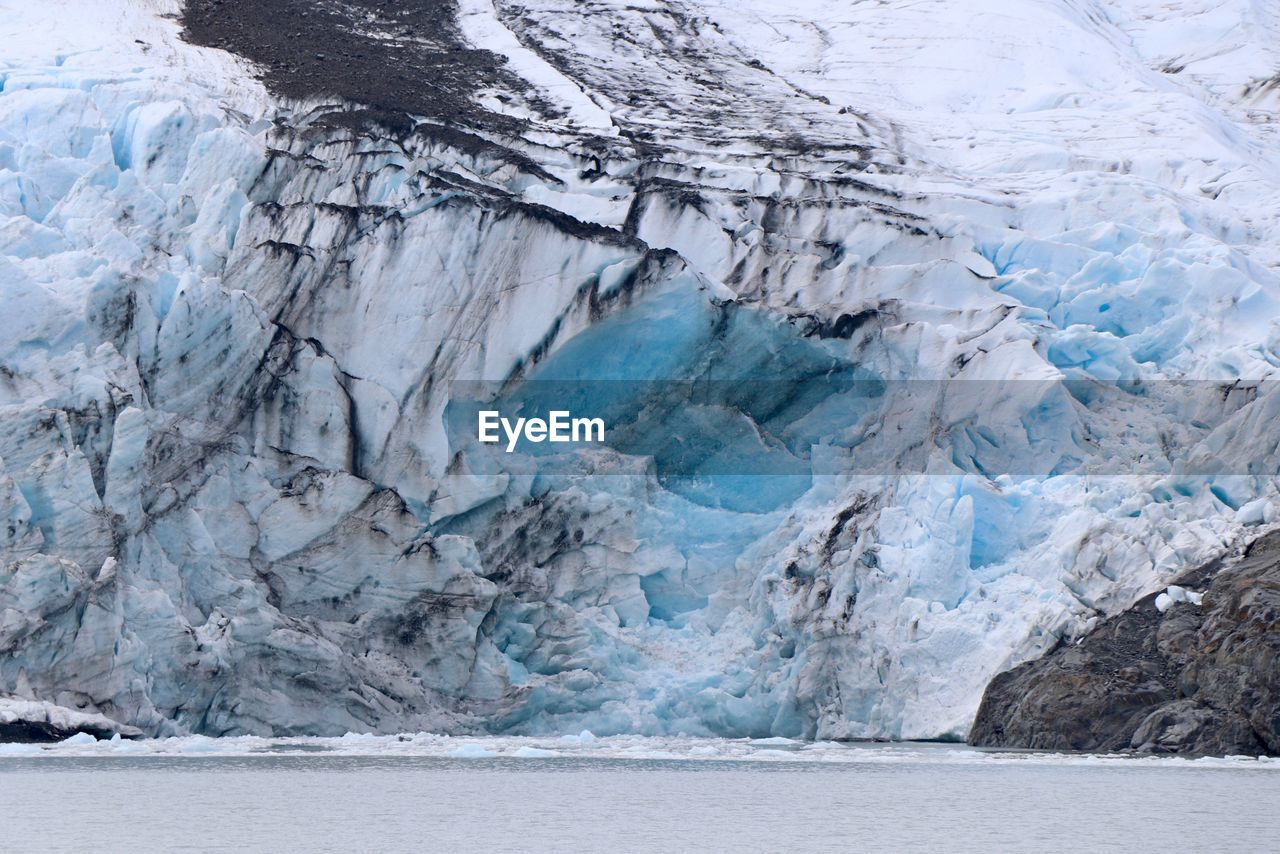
(37, 721)
(1191, 679)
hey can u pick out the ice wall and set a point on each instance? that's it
(233, 330)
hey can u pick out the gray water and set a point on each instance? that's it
(316, 802)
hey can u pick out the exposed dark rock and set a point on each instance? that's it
(32, 721)
(39, 732)
(1195, 680)
(403, 59)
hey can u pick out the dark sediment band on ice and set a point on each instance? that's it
(401, 60)
(1193, 680)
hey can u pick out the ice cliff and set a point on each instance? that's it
(236, 314)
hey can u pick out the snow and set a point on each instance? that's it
(1174, 594)
(233, 502)
(481, 25)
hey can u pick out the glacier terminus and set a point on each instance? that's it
(928, 337)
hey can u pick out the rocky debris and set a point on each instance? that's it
(36, 721)
(398, 60)
(1186, 679)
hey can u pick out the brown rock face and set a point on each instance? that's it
(1195, 680)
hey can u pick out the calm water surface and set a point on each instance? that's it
(307, 801)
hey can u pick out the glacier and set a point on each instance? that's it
(238, 321)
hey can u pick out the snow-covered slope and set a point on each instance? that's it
(235, 322)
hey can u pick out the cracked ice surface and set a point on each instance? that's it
(230, 333)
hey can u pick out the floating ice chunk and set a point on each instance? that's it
(79, 738)
(774, 754)
(471, 750)
(200, 744)
(533, 753)
(18, 749)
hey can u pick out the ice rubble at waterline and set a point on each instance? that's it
(585, 746)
